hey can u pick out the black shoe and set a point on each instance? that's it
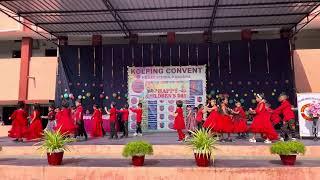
(121, 137)
(16, 140)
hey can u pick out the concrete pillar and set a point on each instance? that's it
(26, 53)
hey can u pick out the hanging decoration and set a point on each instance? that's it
(88, 94)
(218, 58)
(66, 95)
(79, 97)
(94, 61)
(71, 96)
(229, 57)
(267, 54)
(79, 62)
(102, 65)
(249, 54)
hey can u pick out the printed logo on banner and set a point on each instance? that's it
(158, 89)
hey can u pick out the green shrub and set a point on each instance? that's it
(137, 148)
(288, 148)
(53, 142)
(202, 142)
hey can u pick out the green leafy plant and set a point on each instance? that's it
(202, 142)
(137, 148)
(53, 142)
(288, 148)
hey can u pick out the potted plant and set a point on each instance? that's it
(137, 150)
(54, 144)
(288, 151)
(203, 144)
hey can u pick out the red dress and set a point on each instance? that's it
(240, 121)
(212, 120)
(225, 123)
(261, 122)
(96, 120)
(35, 128)
(285, 110)
(65, 122)
(179, 120)
(275, 118)
(19, 124)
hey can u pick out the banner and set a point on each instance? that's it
(158, 89)
(305, 122)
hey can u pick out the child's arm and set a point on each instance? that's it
(34, 116)
(106, 109)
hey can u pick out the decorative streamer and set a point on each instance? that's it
(249, 52)
(151, 54)
(122, 56)
(188, 55)
(208, 57)
(179, 56)
(267, 53)
(142, 55)
(94, 61)
(197, 53)
(218, 53)
(79, 62)
(160, 54)
(132, 56)
(229, 55)
(102, 62)
(112, 63)
(170, 56)
(291, 55)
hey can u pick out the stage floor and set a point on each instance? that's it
(155, 138)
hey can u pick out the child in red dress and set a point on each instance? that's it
(261, 122)
(139, 113)
(212, 119)
(78, 118)
(51, 119)
(239, 120)
(288, 121)
(19, 123)
(96, 121)
(225, 120)
(275, 118)
(199, 116)
(64, 120)
(179, 124)
(35, 128)
(112, 120)
(124, 119)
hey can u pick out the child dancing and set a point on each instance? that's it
(19, 123)
(179, 124)
(35, 128)
(261, 122)
(191, 121)
(112, 119)
(239, 120)
(139, 113)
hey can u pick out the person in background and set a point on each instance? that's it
(179, 124)
(124, 119)
(35, 128)
(51, 118)
(199, 116)
(139, 113)
(96, 121)
(87, 112)
(191, 120)
(112, 120)
(101, 113)
(80, 129)
(19, 123)
(288, 130)
(65, 123)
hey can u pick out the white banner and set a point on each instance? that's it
(305, 122)
(158, 88)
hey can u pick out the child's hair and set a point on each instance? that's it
(283, 94)
(36, 106)
(52, 106)
(260, 95)
(113, 104)
(200, 106)
(236, 102)
(64, 104)
(96, 106)
(195, 109)
(179, 103)
(20, 105)
(140, 105)
(188, 106)
(79, 101)
(126, 106)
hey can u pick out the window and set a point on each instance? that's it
(16, 54)
(51, 53)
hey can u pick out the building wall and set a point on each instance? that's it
(9, 78)
(43, 82)
(306, 66)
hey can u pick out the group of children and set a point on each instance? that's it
(221, 119)
(69, 121)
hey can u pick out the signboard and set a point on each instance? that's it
(305, 122)
(158, 89)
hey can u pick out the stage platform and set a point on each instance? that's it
(100, 158)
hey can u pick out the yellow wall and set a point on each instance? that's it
(9, 79)
(42, 86)
(307, 70)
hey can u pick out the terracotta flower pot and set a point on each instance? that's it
(202, 160)
(288, 160)
(138, 160)
(55, 159)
